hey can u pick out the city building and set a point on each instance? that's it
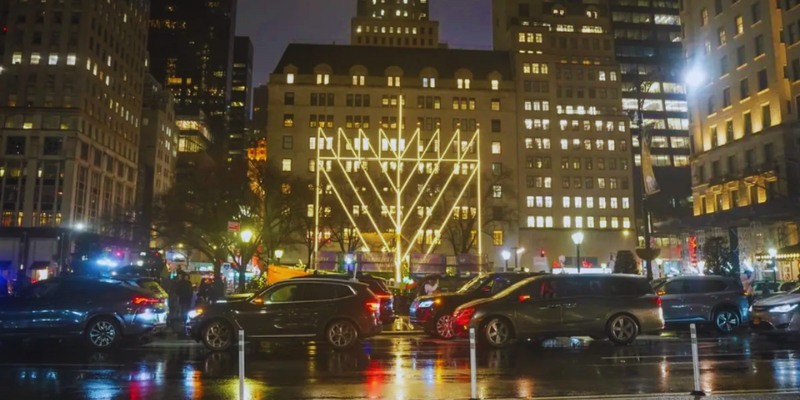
(241, 98)
(573, 156)
(360, 88)
(191, 52)
(743, 68)
(394, 23)
(71, 78)
(647, 43)
(258, 122)
(158, 151)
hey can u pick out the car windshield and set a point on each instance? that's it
(473, 284)
(795, 290)
(658, 283)
(152, 286)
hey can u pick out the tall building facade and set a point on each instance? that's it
(258, 123)
(647, 43)
(241, 98)
(744, 65)
(396, 23)
(70, 105)
(191, 53)
(158, 152)
(573, 156)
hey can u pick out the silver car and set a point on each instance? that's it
(777, 315)
(718, 300)
(618, 307)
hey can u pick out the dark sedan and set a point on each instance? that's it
(337, 311)
(434, 313)
(101, 311)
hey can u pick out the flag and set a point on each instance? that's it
(649, 177)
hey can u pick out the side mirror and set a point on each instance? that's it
(258, 300)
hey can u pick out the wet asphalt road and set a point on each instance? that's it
(406, 367)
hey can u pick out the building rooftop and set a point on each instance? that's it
(341, 58)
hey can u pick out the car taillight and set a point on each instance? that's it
(383, 296)
(657, 300)
(144, 300)
(463, 316)
(373, 306)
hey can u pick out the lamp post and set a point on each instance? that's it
(773, 255)
(278, 255)
(577, 238)
(246, 236)
(517, 252)
(506, 256)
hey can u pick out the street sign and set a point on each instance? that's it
(234, 226)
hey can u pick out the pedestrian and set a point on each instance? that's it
(432, 285)
(185, 293)
(217, 289)
(204, 291)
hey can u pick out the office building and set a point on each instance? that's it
(573, 155)
(744, 68)
(394, 23)
(241, 98)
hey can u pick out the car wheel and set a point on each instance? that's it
(726, 320)
(497, 332)
(341, 334)
(217, 335)
(103, 333)
(622, 329)
(444, 327)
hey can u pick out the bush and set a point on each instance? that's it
(625, 263)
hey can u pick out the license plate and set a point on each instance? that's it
(756, 321)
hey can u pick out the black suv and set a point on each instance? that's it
(376, 285)
(434, 313)
(336, 311)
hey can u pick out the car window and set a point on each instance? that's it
(498, 284)
(41, 290)
(706, 286)
(322, 291)
(627, 287)
(675, 287)
(473, 284)
(283, 294)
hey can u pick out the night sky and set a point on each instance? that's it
(273, 24)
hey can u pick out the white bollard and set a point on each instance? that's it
(698, 391)
(241, 364)
(473, 369)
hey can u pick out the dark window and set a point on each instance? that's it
(748, 123)
(41, 290)
(728, 131)
(723, 65)
(621, 287)
(796, 69)
(524, 10)
(755, 12)
(495, 125)
(717, 7)
(288, 98)
(283, 294)
(497, 168)
(710, 105)
(766, 117)
(323, 291)
(675, 287)
(769, 151)
(759, 45)
(741, 57)
(15, 145)
(744, 89)
(704, 286)
(763, 82)
(726, 97)
(749, 158)
(288, 142)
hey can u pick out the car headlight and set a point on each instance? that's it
(195, 313)
(425, 304)
(783, 308)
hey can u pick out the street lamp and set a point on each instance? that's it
(506, 256)
(773, 255)
(246, 236)
(278, 255)
(518, 252)
(577, 238)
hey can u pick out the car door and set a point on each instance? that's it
(15, 315)
(707, 293)
(672, 300)
(42, 301)
(582, 304)
(317, 301)
(270, 313)
(538, 308)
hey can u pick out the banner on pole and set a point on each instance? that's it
(648, 175)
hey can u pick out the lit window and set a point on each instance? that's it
(359, 80)
(590, 222)
(35, 58)
(497, 237)
(497, 191)
(323, 79)
(393, 81)
(565, 201)
(579, 222)
(590, 202)
(614, 203)
(286, 165)
(71, 59)
(16, 58)
(603, 223)
(429, 82)
(463, 83)
(496, 148)
(495, 84)
(626, 222)
(290, 79)
(567, 221)
(739, 24)
(601, 203)
(614, 222)
(602, 75)
(578, 201)
(288, 120)
(626, 203)
(531, 221)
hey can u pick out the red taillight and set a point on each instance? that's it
(142, 300)
(383, 296)
(657, 300)
(373, 306)
(463, 316)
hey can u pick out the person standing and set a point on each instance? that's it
(432, 285)
(185, 292)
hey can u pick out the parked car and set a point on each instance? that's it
(788, 286)
(340, 312)
(101, 311)
(777, 315)
(618, 307)
(717, 300)
(434, 313)
(376, 284)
